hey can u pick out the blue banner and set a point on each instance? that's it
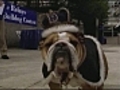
(21, 15)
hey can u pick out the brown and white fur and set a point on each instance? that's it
(68, 36)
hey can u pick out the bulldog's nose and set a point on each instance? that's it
(61, 44)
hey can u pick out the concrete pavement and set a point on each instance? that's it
(23, 69)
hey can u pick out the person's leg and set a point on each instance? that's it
(3, 45)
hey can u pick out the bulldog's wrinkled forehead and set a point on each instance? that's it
(63, 36)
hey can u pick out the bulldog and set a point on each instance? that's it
(71, 58)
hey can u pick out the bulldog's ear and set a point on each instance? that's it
(80, 36)
(41, 44)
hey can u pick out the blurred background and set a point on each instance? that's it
(99, 18)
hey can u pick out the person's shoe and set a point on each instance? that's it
(5, 57)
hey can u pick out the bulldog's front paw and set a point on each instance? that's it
(47, 80)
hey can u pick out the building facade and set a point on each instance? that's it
(114, 12)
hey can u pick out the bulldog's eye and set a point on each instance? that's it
(74, 42)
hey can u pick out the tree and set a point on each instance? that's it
(87, 11)
(96, 8)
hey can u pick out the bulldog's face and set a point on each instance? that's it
(61, 47)
(63, 51)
